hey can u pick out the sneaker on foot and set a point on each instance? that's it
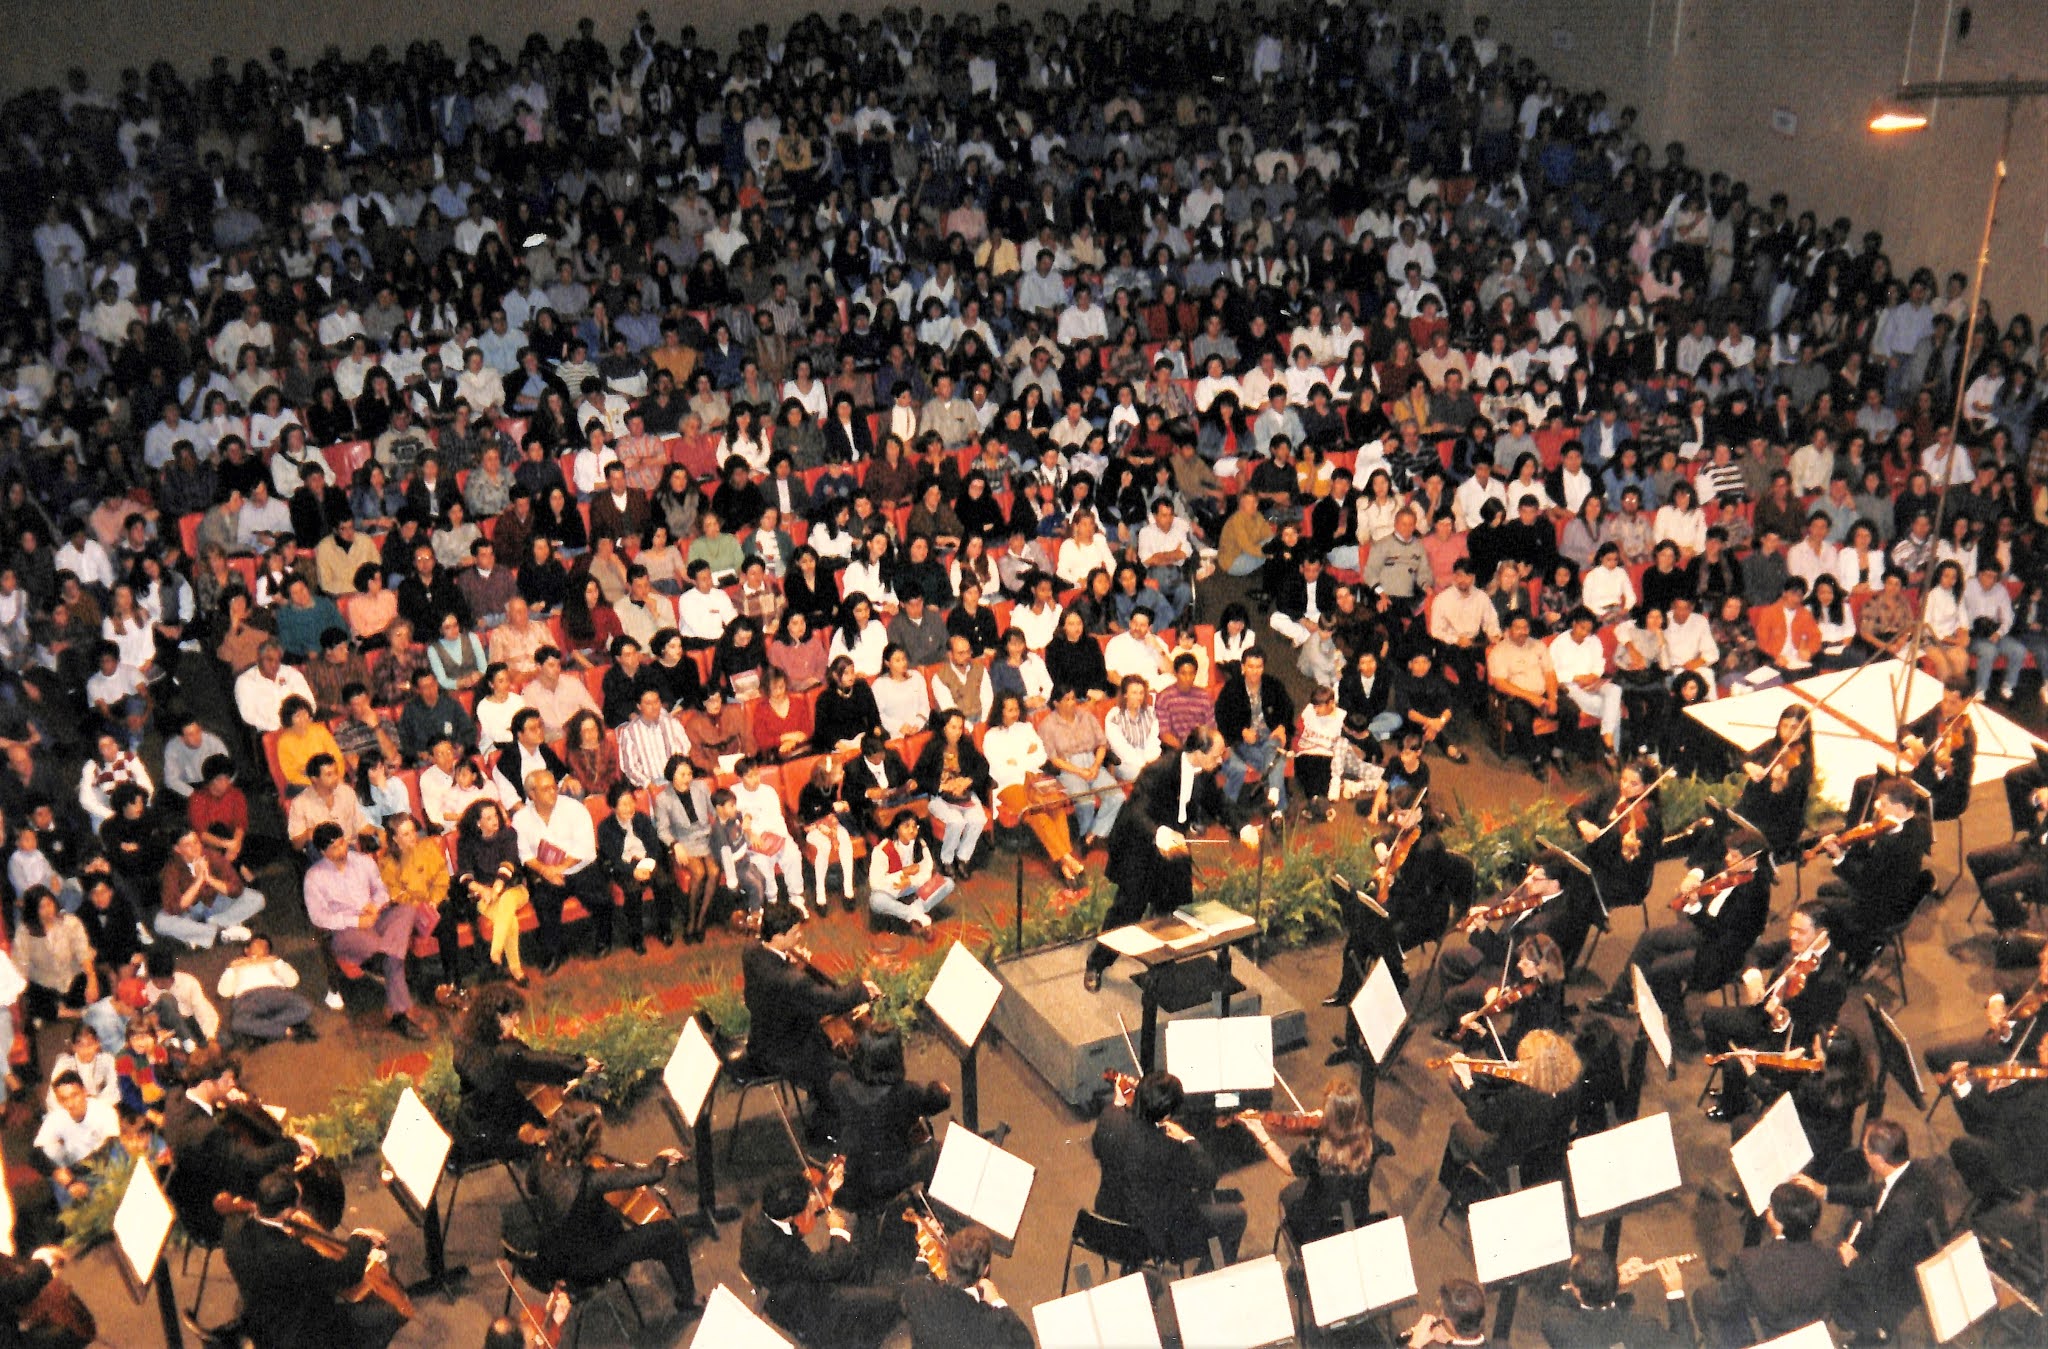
(235, 932)
(333, 1001)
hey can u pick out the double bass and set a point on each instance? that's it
(377, 1281)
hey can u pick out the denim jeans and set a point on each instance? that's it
(1095, 816)
(1985, 650)
(1246, 762)
(200, 925)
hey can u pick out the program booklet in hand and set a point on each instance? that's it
(1117, 1315)
(1359, 1271)
(980, 1181)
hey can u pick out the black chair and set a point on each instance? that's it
(736, 1069)
(517, 1241)
(1113, 1243)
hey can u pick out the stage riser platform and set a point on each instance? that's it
(1071, 1036)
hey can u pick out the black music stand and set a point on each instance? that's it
(696, 1134)
(1895, 1058)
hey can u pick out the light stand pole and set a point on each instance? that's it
(2012, 91)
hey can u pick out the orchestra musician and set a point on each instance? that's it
(1706, 950)
(1158, 1178)
(211, 1159)
(2004, 1151)
(2007, 873)
(884, 1128)
(787, 1001)
(1791, 1006)
(1541, 902)
(1522, 1115)
(813, 1294)
(37, 1309)
(1459, 1321)
(1623, 827)
(1416, 898)
(1780, 778)
(1779, 1285)
(965, 1308)
(583, 1236)
(1880, 877)
(1904, 1211)
(1598, 1312)
(1333, 1164)
(492, 1068)
(1174, 799)
(2012, 1025)
(1939, 750)
(1532, 996)
(292, 1292)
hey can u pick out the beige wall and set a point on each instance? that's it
(1710, 73)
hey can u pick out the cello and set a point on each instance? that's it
(842, 1029)
(638, 1207)
(377, 1280)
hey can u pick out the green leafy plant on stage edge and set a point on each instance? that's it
(634, 1039)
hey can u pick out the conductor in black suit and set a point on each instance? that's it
(813, 1294)
(1783, 1284)
(1900, 1228)
(965, 1308)
(1157, 1178)
(785, 1003)
(1175, 794)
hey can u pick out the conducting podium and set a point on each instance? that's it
(1187, 957)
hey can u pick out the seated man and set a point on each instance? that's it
(202, 896)
(347, 901)
(1158, 1178)
(1580, 663)
(816, 1295)
(1519, 669)
(1255, 715)
(1778, 1286)
(76, 1127)
(261, 990)
(1778, 1008)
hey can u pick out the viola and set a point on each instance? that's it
(377, 1280)
(2026, 1009)
(1498, 1003)
(1123, 1087)
(1502, 1068)
(1994, 1073)
(1405, 839)
(1789, 986)
(930, 1235)
(1741, 874)
(1286, 1121)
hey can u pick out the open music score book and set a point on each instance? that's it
(1115, 1315)
(691, 1072)
(963, 995)
(1519, 1232)
(1379, 1011)
(729, 1323)
(1623, 1165)
(1652, 1016)
(1240, 1306)
(1774, 1150)
(142, 1223)
(1359, 1271)
(1813, 1336)
(1221, 1054)
(416, 1147)
(980, 1181)
(1955, 1284)
(1200, 925)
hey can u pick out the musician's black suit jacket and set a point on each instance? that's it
(784, 1004)
(1880, 1288)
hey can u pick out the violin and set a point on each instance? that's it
(1498, 1003)
(1790, 985)
(930, 1235)
(1285, 1121)
(1508, 1069)
(1860, 833)
(1993, 1073)
(1741, 874)
(1784, 1063)
(1636, 819)
(377, 1280)
(2026, 1009)
(842, 1029)
(1123, 1087)
(1516, 903)
(1404, 842)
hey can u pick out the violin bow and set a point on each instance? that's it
(1621, 811)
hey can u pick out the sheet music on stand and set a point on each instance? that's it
(1240, 1306)
(1623, 1165)
(691, 1071)
(1955, 1284)
(963, 995)
(1359, 1271)
(1651, 1014)
(1519, 1232)
(729, 1323)
(1814, 1336)
(980, 1181)
(416, 1147)
(1221, 1055)
(141, 1225)
(1773, 1151)
(1379, 1011)
(1114, 1315)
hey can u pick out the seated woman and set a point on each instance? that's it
(1335, 1164)
(493, 1068)
(487, 868)
(1516, 1119)
(884, 1122)
(1017, 769)
(582, 1238)
(824, 815)
(1533, 998)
